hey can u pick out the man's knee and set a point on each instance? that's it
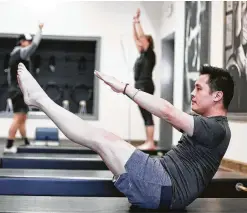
(111, 143)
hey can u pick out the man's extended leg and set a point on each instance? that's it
(114, 151)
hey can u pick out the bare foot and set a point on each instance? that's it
(32, 92)
(148, 145)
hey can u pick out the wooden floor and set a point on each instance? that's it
(229, 174)
(29, 204)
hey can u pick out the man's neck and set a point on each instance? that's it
(215, 112)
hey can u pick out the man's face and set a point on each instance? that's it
(202, 99)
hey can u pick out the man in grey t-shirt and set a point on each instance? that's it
(175, 180)
(191, 165)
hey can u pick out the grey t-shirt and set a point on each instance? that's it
(194, 161)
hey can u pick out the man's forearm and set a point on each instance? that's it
(157, 106)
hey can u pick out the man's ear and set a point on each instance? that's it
(218, 95)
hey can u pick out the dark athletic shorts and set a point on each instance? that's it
(146, 184)
(19, 106)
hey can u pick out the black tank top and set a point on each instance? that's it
(144, 66)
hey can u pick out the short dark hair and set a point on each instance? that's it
(219, 80)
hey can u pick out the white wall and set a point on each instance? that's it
(175, 23)
(112, 21)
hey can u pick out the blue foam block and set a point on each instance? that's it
(46, 134)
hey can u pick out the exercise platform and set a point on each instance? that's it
(97, 184)
(57, 183)
(53, 161)
(73, 150)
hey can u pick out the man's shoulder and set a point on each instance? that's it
(214, 126)
(210, 118)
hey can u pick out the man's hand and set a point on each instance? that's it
(41, 25)
(115, 85)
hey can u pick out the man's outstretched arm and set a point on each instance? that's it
(163, 109)
(157, 106)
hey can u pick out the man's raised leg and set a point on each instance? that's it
(114, 151)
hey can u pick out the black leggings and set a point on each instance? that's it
(147, 116)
